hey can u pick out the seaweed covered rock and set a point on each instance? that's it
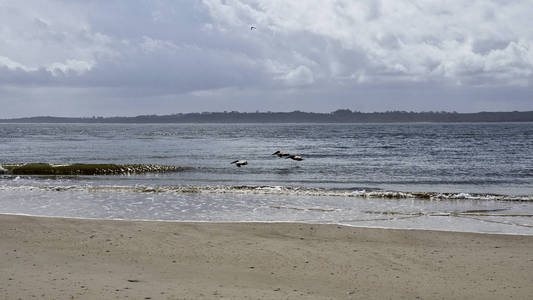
(89, 169)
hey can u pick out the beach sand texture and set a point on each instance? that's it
(55, 258)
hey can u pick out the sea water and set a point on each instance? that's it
(460, 177)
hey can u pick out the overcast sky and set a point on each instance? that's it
(130, 57)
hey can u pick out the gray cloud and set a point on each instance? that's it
(162, 56)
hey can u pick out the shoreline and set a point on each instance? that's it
(261, 222)
(51, 258)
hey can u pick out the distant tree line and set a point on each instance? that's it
(338, 116)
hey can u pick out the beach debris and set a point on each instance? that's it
(133, 280)
(240, 163)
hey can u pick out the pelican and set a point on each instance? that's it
(295, 157)
(240, 163)
(281, 154)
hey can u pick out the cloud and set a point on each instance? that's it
(6, 62)
(338, 49)
(460, 42)
(301, 75)
(71, 65)
(42, 42)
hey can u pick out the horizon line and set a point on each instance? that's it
(263, 112)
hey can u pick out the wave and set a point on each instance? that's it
(274, 190)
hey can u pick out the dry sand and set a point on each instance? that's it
(52, 258)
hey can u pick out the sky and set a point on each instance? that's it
(131, 57)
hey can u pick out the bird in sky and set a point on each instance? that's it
(240, 163)
(281, 154)
(252, 28)
(295, 157)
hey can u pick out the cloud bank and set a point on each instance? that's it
(131, 57)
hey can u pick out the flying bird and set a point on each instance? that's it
(281, 154)
(295, 157)
(240, 163)
(252, 28)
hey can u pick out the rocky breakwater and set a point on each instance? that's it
(86, 169)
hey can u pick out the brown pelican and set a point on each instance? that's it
(295, 157)
(240, 163)
(281, 154)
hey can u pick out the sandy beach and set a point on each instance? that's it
(55, 258)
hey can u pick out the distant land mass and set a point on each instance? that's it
(338, 116)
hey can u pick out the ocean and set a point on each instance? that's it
(473, 177)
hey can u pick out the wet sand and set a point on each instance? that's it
(54, 258)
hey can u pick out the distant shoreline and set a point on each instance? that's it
(338, 116)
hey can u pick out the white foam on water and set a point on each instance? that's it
(271, 190)
(387, 209)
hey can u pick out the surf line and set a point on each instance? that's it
(465, 214)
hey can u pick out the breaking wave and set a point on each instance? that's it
(273, 190)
